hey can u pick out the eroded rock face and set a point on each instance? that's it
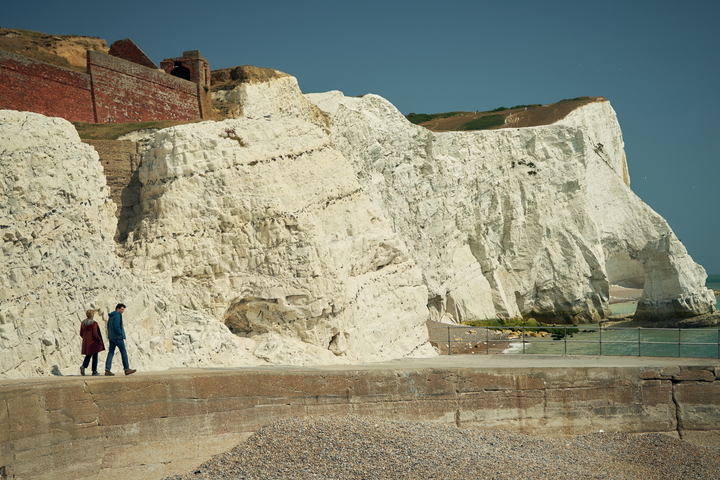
(249, 250)
(674, 284)
(264, 226)
(57, 258)
(640, 248)
(253, 95)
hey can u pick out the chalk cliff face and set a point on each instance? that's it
(262, 225)
(58, 259)
(278, 97)
(535, 221)
(321, 229)
(255, 244)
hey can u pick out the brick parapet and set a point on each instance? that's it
(120, 160)
(31, 85)
(113, 90)
(127, 92)
(103, 60)
(127, 50)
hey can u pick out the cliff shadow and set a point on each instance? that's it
(128, 209)
(120, 161)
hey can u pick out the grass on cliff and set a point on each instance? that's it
(513, 323)
(530, 115)
(483, 123)
(111, 131)
(418, 118)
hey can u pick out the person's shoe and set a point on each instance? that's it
(95, 373)
(130, 371)
(82, 370)
(109, 373)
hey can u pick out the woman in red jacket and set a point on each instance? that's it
(92, 342)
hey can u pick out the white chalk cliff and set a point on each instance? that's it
(533, 221)
(252, 247)
(295, 237)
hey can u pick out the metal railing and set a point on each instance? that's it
(579, 340)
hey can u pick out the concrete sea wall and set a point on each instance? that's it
(151, 425)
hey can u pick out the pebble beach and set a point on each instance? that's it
(351, 447)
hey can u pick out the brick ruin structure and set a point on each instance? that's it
(193, 67)
(122, 86)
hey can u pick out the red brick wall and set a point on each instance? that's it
(126, 92)
(115, 90)
(34, 86)
(127, 50)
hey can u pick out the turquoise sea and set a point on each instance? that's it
(699, 342)
(646, 342)
(713, 282)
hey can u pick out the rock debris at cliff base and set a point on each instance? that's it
(351, 447)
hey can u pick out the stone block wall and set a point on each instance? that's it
(31, 85)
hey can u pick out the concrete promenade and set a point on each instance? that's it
(154, 424)
(440, 361)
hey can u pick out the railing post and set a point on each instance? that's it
(487, 341)
(449, 344)
(666, 344)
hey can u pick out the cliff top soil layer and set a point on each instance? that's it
(522, 116)
(67, 51)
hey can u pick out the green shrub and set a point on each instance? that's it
(513, 323)
(418, 118)
(483, 123)
(561, 332)
(576, 99)
(534, 105)
(497, 322)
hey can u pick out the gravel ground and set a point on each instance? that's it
(352, 447)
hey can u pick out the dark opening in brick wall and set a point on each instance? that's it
(180, 71)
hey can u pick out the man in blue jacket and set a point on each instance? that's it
(116, 335)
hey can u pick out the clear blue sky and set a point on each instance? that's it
(656, 61)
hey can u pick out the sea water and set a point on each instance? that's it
(590, 340)
(713, 283)
(646, 342)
